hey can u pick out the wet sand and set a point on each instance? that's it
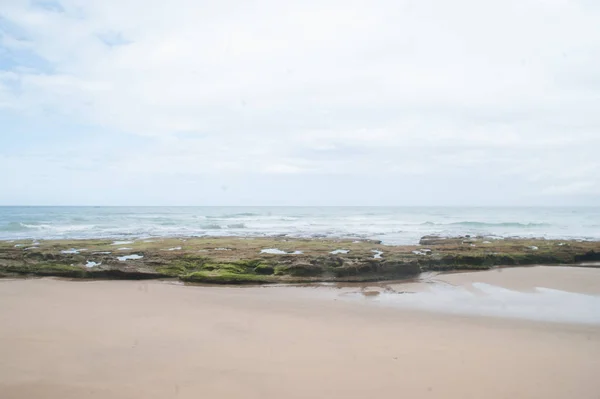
(125, 339)
(573, 279)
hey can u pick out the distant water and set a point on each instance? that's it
(392, 225)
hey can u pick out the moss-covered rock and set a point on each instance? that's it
(202, 259)
(227, 267)
(47, 269)
(299, 270)
(264, 269)
(224, 277)
(590, 256)
(173, 270)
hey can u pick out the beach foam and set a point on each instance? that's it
(275, 251)
(90, 263)
(129, 257)
(339, 251)
(122, 242)
(72, 251)
(377, 254)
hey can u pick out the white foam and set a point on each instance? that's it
(101, 253)
(172, 249)
(19, 245)
(339, 251)
(129, 257)
(533, 248)
(72, 251)
(424, 251)
(486, 242)
(121, 242)
(32, 248)
(275, 251)
(92, 264)
(377, 254)
(222, 249)
(125, 249)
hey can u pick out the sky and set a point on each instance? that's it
(329, 102)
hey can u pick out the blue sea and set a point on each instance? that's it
(392, 225)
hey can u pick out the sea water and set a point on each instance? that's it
(392, 225)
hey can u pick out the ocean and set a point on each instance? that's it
(392, 225)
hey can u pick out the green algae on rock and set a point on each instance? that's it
(205, 260)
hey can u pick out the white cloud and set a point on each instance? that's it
(574, 188)
(432, 89)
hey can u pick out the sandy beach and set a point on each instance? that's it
(64, 339)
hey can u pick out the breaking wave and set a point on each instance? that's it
(212, 227)
(19, 226)
(491, 225)
(234, 215)
(391, 225)
(15, 226)
(236, 226)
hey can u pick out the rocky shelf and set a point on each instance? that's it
(237, 260)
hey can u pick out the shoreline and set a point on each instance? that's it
(260, 260)
(150, 339)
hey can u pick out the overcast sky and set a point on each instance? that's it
(395, 102)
